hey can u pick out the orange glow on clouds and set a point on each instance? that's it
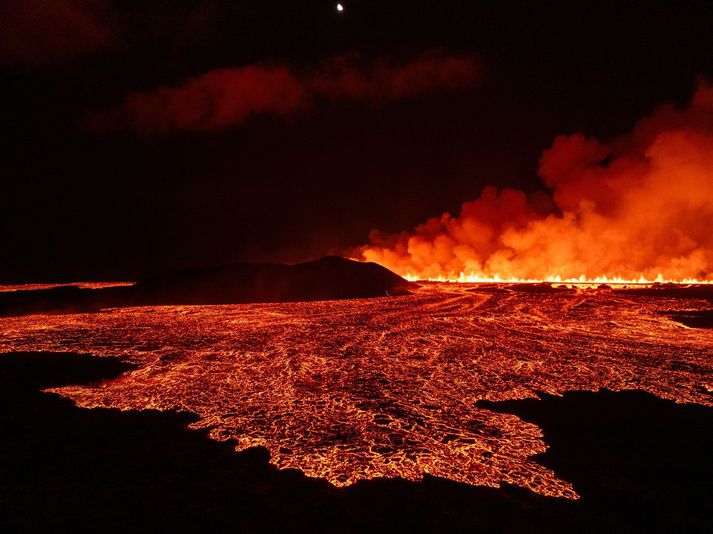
(635, 209)
(225, 98)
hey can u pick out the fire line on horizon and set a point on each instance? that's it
(633, 210)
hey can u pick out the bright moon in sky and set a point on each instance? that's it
(340, 7)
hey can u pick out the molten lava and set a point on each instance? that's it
(582, 281)
(389, 387)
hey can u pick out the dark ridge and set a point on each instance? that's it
(487, 288)
(693, 318)
(65, 468)
(328, 278)
(542, 287)
(521, 287)
(695, 291)
(640, 463)
(324, 279)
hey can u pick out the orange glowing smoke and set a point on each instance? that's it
(226, 98)
(637, 207)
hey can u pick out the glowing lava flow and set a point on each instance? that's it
(359, 389)
(476, 278)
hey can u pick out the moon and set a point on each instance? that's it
(340, 7)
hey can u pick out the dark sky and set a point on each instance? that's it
(79, 203)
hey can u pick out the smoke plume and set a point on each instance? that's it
(639, 205)
(227, 97)
(40, 32)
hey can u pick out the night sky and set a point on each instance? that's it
(81, 202)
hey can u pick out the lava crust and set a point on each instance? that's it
(386, 387)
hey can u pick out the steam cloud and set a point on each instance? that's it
(39, 32)
(224, 98)
(640, 205)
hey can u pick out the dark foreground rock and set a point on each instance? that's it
(324, 279)
(693, 318)
(641, 465)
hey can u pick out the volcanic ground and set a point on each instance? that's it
(387, 387)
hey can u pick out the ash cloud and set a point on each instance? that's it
(639, 205)
(38, 32)
(225, 98)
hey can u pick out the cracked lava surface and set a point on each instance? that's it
(358, 389)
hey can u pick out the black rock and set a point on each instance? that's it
(327, 278)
